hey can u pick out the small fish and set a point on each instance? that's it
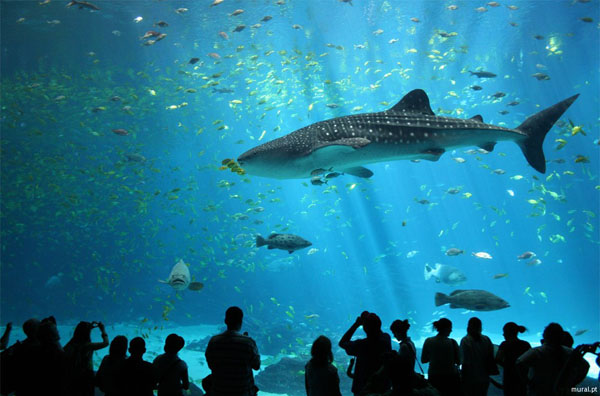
(500, 276)
(459, 160)
(503, 112)
(476, 88)
(83, 4)
(415, 20)
(541, 76)
(493, 4)
(587, 19)
(181, 10)
(412, 253)
(499, 171)
(482, 255)
(526, 255)
(161, 24)
(332, 105)
(239, 28)
(224, 35)
(454, 252)
(312, 251)
(311, 316)
(266, 18)
(581, 332)
(216, 2)
(120, 131)
(538, 37)
(535, 262)
(214, 55)
(296, 26)
(481, 9)
(332, 175)
(193, 61)
(134, 157)
(317, 181)
(513, 103)
(138, 19)
(582, 159)
(499, 95)
(483, 74)
(452, 7)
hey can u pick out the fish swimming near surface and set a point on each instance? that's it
(289, 242)
(180, 278)
(409, 130)
(83, 4)
(475, 300)
(444, 273)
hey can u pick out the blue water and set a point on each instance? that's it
(107, 229)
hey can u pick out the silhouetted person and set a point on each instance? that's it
(171, 371)
(407, 348)
(111, 368)
(477, 360)
(508, 352)
(401, 365)
(138, 376)
(443, 356)
(320, 375)
(79, 352)
(5, 337)
(14, 360)
(545, 362)
(232, 356)
(567, 339)
(368, 351)
(46, 371)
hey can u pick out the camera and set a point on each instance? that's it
(590, 348)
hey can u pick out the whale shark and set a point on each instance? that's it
(407, 131)
(180, 278)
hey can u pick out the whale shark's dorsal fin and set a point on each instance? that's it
(416, 101)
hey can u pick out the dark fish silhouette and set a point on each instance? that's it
(483, 74)
(475, 300)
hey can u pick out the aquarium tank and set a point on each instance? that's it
(303, 160)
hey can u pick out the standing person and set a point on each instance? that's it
(477, 360)
(15, 363)
(171, 371)
(79, 351)
(443, 356)
(138, 376)
(402, 364)
(369, 351)
(111, 368)
(320, 375)
(232, 356)
(407, 348)
(545, 362)
(508, 352)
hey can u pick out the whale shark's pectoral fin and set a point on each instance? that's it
(489, 147)
(349, 143)
(358, 171)
(433, 154)
(195, 286)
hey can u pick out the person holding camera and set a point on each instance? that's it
(79, 351)
(369, 351)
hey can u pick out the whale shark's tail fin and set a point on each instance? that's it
(536, 127)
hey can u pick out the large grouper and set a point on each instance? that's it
(409, 130)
